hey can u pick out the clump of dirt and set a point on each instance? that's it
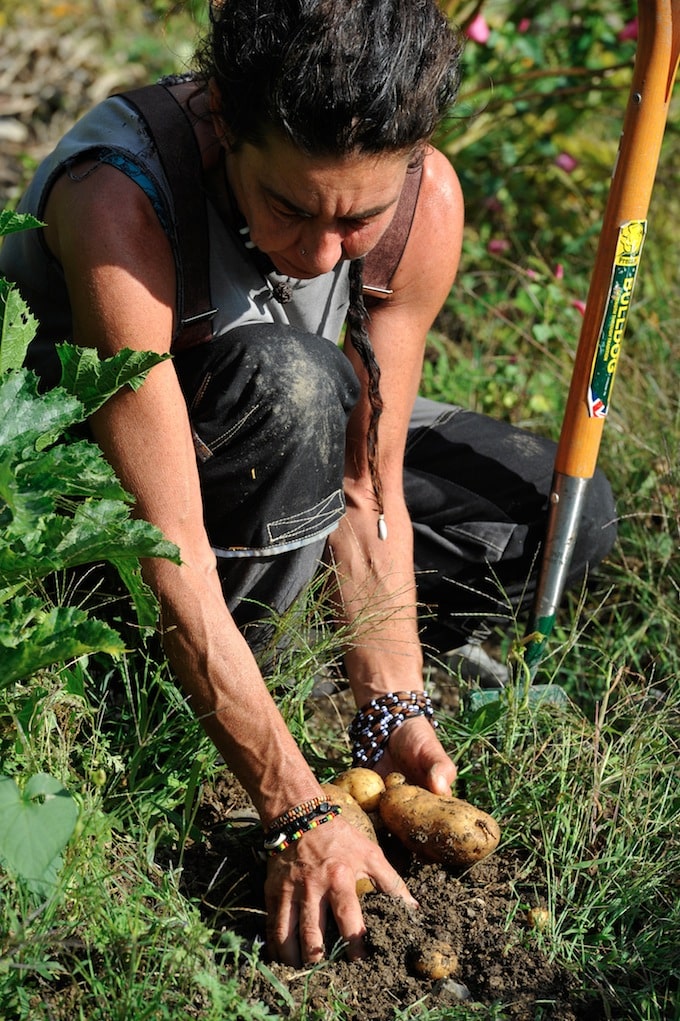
(481, 914)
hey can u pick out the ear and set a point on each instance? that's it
(215, 100)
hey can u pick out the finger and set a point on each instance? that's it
(393, 885)
(282, 931)
(311, 929)
(440, 777)
(347, 912)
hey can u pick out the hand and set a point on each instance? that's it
(415, 751)
(318, 872)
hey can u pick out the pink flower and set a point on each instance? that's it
(523, 25)
(559, 271)
(629, 31)
(566, 162)
(493, 204)
(579, 305)
(478, 30)
(497, 246)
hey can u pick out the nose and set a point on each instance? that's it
(321, 250)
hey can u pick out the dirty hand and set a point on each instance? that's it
(415, 751)
(316, 874)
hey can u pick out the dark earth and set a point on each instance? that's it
(482, 914)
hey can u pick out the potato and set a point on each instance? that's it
(436, 960)
(351, 811)
(538, 918)
(442, 829)
(364, 785)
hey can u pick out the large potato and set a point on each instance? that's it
(441, 829)
(363, 784)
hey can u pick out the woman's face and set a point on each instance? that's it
(308, 212)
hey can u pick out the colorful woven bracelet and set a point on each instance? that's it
(371, 728)
(276, 842)
(294, 813)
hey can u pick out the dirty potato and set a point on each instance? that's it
(442, 829)
(351, 811)
(436, 960)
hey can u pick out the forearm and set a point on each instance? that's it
(376, 596)
(226, 690)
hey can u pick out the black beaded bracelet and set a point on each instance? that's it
(371, 728)
(277, 840)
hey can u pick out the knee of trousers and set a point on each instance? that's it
(269, 406)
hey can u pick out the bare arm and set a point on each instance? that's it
(377, 580)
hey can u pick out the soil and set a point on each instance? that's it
(482, 915)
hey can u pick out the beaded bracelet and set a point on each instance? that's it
(294, 813)
(371, 728)
(276, 842)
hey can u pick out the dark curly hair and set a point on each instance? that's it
(336, 77)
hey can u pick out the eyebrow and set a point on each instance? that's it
(365, 215)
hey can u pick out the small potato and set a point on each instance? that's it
(538, 918)
(442, 829)
(435, 961)
(351, 811)
(364, 785)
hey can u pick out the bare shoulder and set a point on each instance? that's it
(116, 258)
(95, 204)
(441, 197)
(432, 252)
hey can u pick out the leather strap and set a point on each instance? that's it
(381, 263)
(180, 157)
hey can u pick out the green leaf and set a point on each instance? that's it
(17, 327)
(72, 470)
(11, 222)
(143, 598)
(63, 633)
(103, 530)
(35, 825)
(93, 379)
(29, 419)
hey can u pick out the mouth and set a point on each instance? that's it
(290, 269)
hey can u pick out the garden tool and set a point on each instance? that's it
(609, 298)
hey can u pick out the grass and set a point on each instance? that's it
(590, 791)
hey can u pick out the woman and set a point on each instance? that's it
(240, 247)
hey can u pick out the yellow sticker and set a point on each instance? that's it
(626, 261)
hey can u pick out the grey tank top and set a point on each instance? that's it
(113, 132)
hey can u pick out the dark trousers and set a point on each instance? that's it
(269, 407)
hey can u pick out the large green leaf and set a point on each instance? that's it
(76, 469)
(28, 419)
(17, 327)
(99, 530)
(36, 824)
(103, 530)
(93, 379)
(63, 633)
